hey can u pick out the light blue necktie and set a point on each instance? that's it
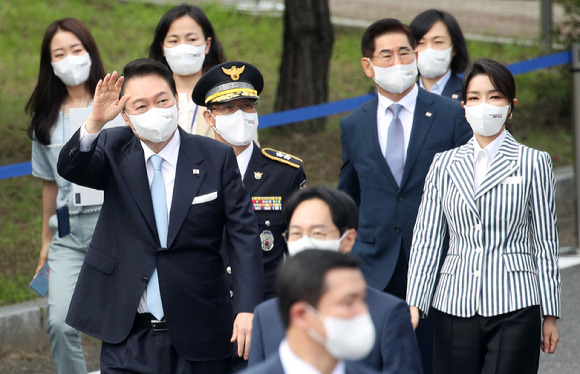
(160, 210)
(395, 154)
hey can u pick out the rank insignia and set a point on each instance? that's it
(234, 72)
(258, 175)
(267, 239)
(267, 202)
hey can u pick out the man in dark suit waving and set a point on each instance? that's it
(152, 286)
(388, 144)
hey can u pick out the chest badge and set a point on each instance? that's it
(258, 175)
(267, 239)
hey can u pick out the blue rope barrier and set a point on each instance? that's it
(335, 107)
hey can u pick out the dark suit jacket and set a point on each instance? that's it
(395, 349)
(452, 89)
(266, 177)
(388, 212)
(273, 365)
(125, 247)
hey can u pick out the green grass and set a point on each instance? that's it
(123, 32)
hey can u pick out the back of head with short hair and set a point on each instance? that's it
(343, 209)
(145, 66)
(380, 27)
(302, 276)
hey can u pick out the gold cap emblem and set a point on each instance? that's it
(258, 175)
(234, 72)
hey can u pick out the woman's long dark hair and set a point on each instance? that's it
(216, 53)
(50, 92)
(501, 79)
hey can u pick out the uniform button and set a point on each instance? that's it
(397, 229)
(476, 273)
(231, 293)
(400, 197)
(478, 250)
(229, 270)
(267, 223)
(145, 280)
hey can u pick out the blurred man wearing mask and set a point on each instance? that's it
(322, 217)
(230, 92)
(322, 305)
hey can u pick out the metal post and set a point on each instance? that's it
(546, 24)
(576, 113)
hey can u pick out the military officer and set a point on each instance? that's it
(230, 93)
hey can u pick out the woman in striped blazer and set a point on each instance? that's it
(494, 198)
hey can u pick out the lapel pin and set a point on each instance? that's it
(455, 96)
(428, 114)
(258, 175)
(195, 171)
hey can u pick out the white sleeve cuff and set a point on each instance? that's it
(86, 139)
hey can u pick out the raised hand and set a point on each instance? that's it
(106, 103)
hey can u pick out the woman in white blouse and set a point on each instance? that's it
(494, 197)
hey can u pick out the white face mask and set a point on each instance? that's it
(433, 63)
(238, 128)
(346, 338)
(486, 119)
(73, 70)
(306, 242)
(185, 59)
(156, 125)
(397, 78)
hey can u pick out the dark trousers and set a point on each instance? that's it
(149, 352)
(398, 287)
(504, 344)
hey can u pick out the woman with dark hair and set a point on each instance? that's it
(185, 41)
(70, 68)
(442, 52)
(494, 197)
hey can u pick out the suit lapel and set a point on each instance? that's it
(422, 119)
(503, 165)
(255, 174)
(372, 140)
(189, 174)
(461, 173)
(134, 173)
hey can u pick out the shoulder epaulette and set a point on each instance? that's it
(282, 157)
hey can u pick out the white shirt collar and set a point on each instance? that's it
(244, 159)
(440, 85)
(169, 153)
(491, 149)
(409, 101)
(294, 364)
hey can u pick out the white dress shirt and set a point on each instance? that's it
(294, 364)
(406, 115)
(482, 158)
(440, 85)
(244, 159)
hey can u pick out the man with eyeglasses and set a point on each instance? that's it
(230, 92)
(388, 144)
(322, 217)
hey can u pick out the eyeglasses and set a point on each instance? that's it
(387, 57)
(316, 233)
(227, 108)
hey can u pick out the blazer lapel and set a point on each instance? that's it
(189, 174)
(503, 165)
(255, 174)
(422, 119)
(461, 172)
(134, 172)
